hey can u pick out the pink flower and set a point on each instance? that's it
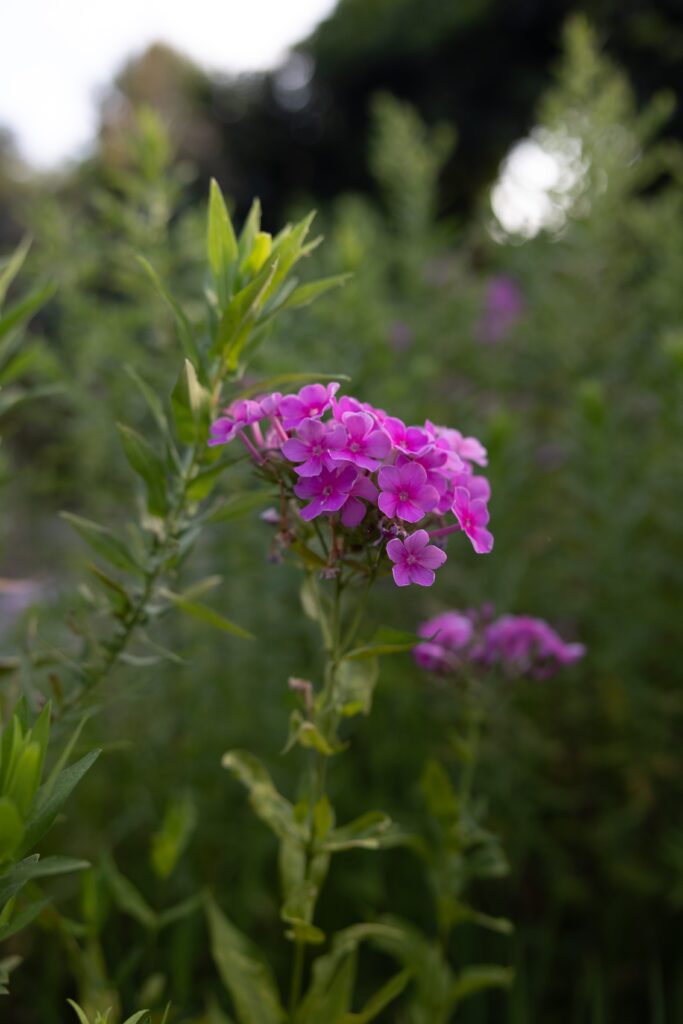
(237, 416)
(405, 493)
(415, 559)
(523, 645)
(473, 516)
(354, 510)
(446, 637)
(310, 403)
(329, 491)
(315, 447)
(366, 445)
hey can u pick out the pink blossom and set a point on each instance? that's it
(415, 559)
(366, 444)
(310, 403)
(329, 491)
(315, 447)
(405, 493)
(523, 645)
(354, 511)
(473, 517)
(237, 416)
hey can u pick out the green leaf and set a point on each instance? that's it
(148, 465)
(246, 976)
(23, 782)
(12, 266)
(381, 999)
(191, 406)
(137, 1017)
(103, 542)
(170, 841)
(241, 504)
(78, 1011)
(183, 326)
(355, 685)
(269, 805)
(206, 614)
(221, 243)
(250, 230)
(385, 641)
(7, 965)
(49, 803)
(20, 312)
(127, 898)
(11, 828)
(35, 867)
(368, 832)
(305, 294)
(151, 398)
(25, 916)
(476, 979)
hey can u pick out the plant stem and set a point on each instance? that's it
(297, 978)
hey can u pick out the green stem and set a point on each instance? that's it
(297, 978)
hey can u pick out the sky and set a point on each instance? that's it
(57, 55)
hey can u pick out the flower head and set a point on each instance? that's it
(473, 515)
(311, 402)
(367, 445)
(329, 490)
(315, 447)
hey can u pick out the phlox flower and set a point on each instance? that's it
(523, 645)
(310, 403)
(415, 559)
(473, 516)
(237, 416)
(328, 491)
(354, 510)
(366, 445)
(315, 447)
(405, 493)
(446, 637)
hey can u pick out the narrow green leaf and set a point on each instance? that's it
(153, 401)
(20, 312)
(148, 465)
(78, 1011)
(356, 681)
(127, 898)
(305, 294)
(207, 615)
(12, 266)
(385, 641)
(103, 542)
(221, 243)
(247, 978)
(23, 918)
(48, 809)
(368, 832)
(381, 999)
(250, 230)
(183, 326)
(268, 804)
(241, 504)
(478, 978)
(11, 828)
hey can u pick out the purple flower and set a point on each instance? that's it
(315, 446)
(446, 636)
(366, 444)
(504, 305)
(415, 559)
(523, 645)
(329, 491)
(473, 516)
(354, 510)
(405, 493)
(310, 403)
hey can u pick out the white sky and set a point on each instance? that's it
(56, 54)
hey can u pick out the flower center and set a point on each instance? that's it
(314, 410)
(318, 450)
(354, 447)
(411, 560)
(402, 495)
(327, 491)
(468, 523)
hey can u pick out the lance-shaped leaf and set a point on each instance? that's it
(221, 244)
(21, 920)
(127, 898)
(386, 995)
(12, 266)
(17, 314)
(246, 976)
(14, 880)
(151, 398)
(305, 294)
(370, 831)
(147, 464)
(269, 805)
(47, 807)
(103, 541)
(185, 333)
(385, 641)
(478, 978)
(206, 614)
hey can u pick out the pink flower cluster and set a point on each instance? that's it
(355, 462)
(517, 645)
